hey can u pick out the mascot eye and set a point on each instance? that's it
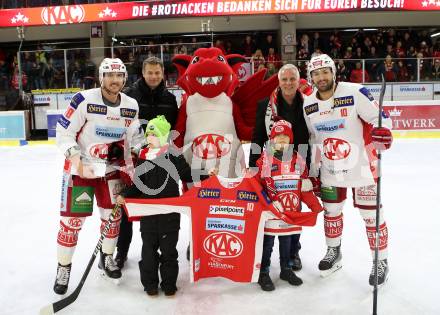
(221, 58)
(195, 60)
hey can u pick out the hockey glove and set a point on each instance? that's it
(382, 138)
(115, 151)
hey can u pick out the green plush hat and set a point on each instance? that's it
(159, 127)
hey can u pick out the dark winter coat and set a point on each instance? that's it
(159, 179)
(291, 113)
(153, 102)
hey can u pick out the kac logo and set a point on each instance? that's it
(336, 149)
(211, 146)
(63, 14)
(223, 245)
(289, 201)
(75, 222)
(99, 151)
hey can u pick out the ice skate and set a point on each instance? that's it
(62, 279)
(109, 269)
(382, 272)
(331, 261)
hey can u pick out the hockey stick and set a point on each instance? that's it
(376, 245)
(59, 305)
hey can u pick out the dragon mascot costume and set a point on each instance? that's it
(216, 114)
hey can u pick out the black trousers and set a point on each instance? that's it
(289, 245)
(295, 245)
(152, 261)
(125, 235)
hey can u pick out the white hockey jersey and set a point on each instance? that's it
(91, 124)
(340, 135)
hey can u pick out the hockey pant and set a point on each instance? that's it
(364, 199)
(78, 204)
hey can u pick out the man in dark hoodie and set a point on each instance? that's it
(154, 99)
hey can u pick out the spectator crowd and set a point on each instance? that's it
(399, 55)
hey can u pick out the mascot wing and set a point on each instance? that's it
(246, 98)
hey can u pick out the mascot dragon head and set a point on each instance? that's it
(209, 72)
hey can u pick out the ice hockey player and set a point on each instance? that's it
(98, 127)
(158, 170)
(342, 119)
(283, 174)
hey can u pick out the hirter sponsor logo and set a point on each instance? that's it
(128, 112)
(211, 146)
(223, 245)
(247, 195)
(336, 149)
(289, 201)
(209, 193)
(228, 210)
(309, 109)
(343, 101)
(96, 109)
(63, 14)
(222, 224)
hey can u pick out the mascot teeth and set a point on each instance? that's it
(209, 80)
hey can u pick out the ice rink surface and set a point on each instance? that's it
(29, 217)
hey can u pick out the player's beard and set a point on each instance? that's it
(110, 91)
(326, 88)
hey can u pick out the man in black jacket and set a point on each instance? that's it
(154, 99)
(286, 102)
(152, 95)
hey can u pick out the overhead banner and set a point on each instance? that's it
(104, 12)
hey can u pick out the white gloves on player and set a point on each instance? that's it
(83, 171)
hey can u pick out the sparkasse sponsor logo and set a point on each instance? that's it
(223, 224)
(107, 132)
(331, 126)
(406, 88)
(282, 185)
